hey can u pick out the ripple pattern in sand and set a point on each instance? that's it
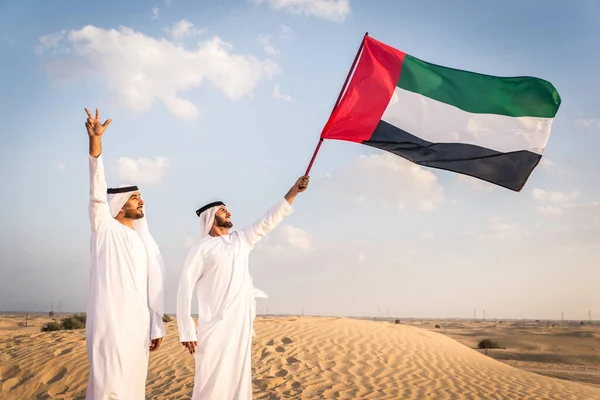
(295, 358)
(350, 359)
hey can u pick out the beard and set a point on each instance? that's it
(222, 223)
(134, 213)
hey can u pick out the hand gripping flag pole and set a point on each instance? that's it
(312, 160)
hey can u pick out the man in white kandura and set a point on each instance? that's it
(217, 270)
(125, 304)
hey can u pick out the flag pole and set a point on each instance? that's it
(312, 160)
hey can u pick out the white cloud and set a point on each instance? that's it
(389, 180)
(286, 32)
(332, 10)
(155, 12)
(141, 70)
(577, 225)
(553, 197)
(141, 170)
(287, 237)
(499, 224)
(277, 94)
(296, 237)
(550, 210)
(271, 68)
(184, 29)
(556, 201)
(548, 164)
(589, 123)
(571, 227)
(268, 47)
(61, 166)
(52, 44)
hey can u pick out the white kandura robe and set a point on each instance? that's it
(217, 269)
(120, 319)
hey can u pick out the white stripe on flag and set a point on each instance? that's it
(439, 122)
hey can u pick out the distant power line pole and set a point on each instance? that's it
(475, 313)
(590, 315)
(562, 316)
(484, 313)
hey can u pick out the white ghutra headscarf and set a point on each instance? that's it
(207, 217)
(117, 197)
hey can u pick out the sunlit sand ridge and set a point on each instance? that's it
(293, 357)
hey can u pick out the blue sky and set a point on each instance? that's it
(227, 100)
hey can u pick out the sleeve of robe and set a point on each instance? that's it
(191, 273)
(98, 208)
(255, 232)
(157, 326)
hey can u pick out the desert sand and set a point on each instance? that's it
(562, 349)
(293, 358)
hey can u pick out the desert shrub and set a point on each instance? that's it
(52, 326)
(76, 321)
(488, 344)
(167, 318)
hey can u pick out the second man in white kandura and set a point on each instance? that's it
(217, 271)
(125, 300)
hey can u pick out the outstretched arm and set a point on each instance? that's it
(98, 209)
(276, 214)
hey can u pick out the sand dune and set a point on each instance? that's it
(564, 349)
(302, 358)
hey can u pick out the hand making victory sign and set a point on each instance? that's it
(95, 130)
(93, 125)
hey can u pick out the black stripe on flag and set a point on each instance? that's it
(510, 170)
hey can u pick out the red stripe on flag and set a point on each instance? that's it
(368, 93)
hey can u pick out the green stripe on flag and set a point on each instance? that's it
(478, 93)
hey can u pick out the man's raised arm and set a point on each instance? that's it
(276, 214)
(98, 209)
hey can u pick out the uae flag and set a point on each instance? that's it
(488, 127)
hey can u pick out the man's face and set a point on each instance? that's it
(133, 208)
(222, 218)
